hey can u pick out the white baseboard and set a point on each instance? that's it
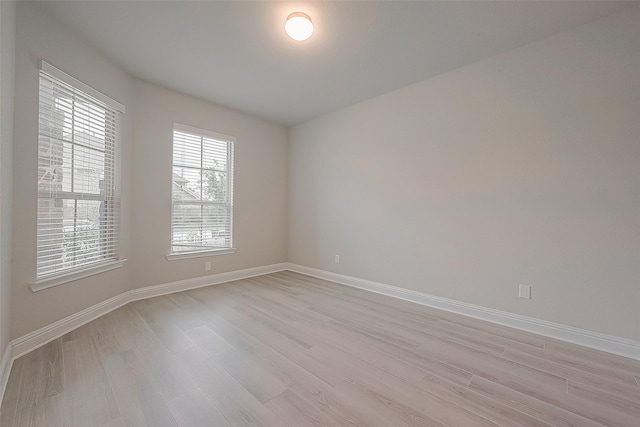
(198, 282)
(5, 369)
(611, 344)
(42, 336)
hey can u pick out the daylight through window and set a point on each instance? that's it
(202, 191)
(78, 209)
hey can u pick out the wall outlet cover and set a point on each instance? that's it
(524, 291)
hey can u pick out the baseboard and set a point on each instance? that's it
(198, 282)
(611, 344)
(5, 369)
(42, 336)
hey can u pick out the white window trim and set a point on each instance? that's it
(197, 131)
(72, 81)
(46, 283)
(109, 264)
(173, 256)
(200, 254)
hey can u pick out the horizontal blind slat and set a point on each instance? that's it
(78, 215)
(202, 209)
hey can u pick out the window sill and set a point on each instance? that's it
(39, 285)
(200, 254)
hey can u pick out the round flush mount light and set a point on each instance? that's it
(299, 26)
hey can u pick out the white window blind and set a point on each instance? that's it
(202, 190)
(78, 208)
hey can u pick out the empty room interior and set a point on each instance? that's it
(319, 213)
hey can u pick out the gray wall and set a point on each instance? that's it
(7, 61)
(523, 168)
(260, 186)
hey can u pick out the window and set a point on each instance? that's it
(78, 207)
(202, 191)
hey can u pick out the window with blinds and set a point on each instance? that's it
(202, 191)
(78, 210)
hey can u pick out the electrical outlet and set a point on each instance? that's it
(207, 266)
(524, 291)
(337, 259)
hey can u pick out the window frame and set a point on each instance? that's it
(230, 155)
(112, 149)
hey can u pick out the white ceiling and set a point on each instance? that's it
(236, 53)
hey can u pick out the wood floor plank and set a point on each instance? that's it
(189, 317)
(121, 330)
(159, 368)
(402, 333)
(384, 410)
(620, 363)
(402, 398)
(333, 405)
(83, 369)
(617, 403)
(304, 379)
(282, 359)
(310, 391)
(51, 412)
(240, 330)
(194, 409)
(296, 412)
(138, 401)
(286, 349)
(52, 358)
(462, 332)
(89, 395)
(478, 403)
(269, 303)
(294, 335)
(596, 369)
(95, 406)
(574, 375)
(264, 287)
(262, 298)
(414, 357)
(351, 321)
(163, 316)
(119, 422)
(12, 394)
(431, 333)
(31, 388)
(530, 405)
(494, 368)
(578, 407)
(393, 365)
(241, 366)
(237, 405)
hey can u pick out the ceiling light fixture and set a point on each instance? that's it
(299, 26)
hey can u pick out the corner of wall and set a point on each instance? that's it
(7, 73)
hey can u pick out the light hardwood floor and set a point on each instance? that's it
(290, 350)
